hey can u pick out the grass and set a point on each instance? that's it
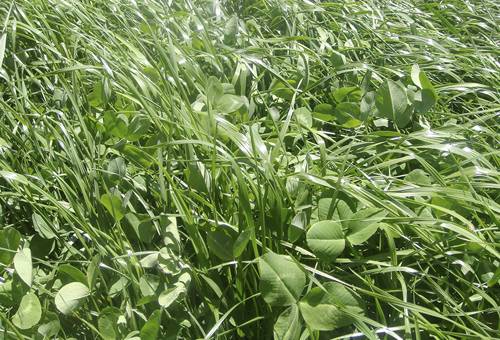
(249, 169)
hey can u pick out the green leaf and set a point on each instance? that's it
(324, 108)
(348, 114)
(415, 75)
(297, 226)
(288, 326)
(137, 155)
(214, 89)
(143, 226)
(367, 106)
(171, 237)
(138, 127)
(93, 271)
(171, 295)
(23, 265)
(341, 213)
(117, 170)
(241, 242)
(392, 102)
(115, 124)
(325, 310)
(228, 103)
(220, 242)
(324, 112)
(29, 312)
(326, 239)
(41, 247)
(74, 274)
(113, 204)
(281, 279)
(9, 242)
(42, 227)
(118, 287)
(347, 94)
(427, 97)
(338, 59)
(151, 328)
(363, 224)
(281, 90)
(152, 74)
(230, 30)
(108, 323)
(427, 100)
(419, 177)
(96, 97)
(50, 325)
(304, 117)
(71, 296)
(167, 261)
(148, 284)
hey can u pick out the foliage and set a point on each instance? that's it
(184, 169)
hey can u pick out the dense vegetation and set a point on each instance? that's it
(249, 169)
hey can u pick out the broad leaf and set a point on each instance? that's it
(341, 211)
(148, 284)
(71, 296)
(9, 242)
(325, 310)
(367, 106)
(326, 239)
(151, 328)
(93, 271)
(23, 265)
(113, 204)
(117, 170)
(324, 108)
(281, 90)
(347, 94)
(348, 114)
(241, 242)
(363, 224)
(72, 273)
(281, 279)
(325, 112)
(115, 124)
(43, 229)
(29, 312)
(392, 103)
(108, 323)
(143, 226)
(220, 242)
(138, 127)
(419, 177)
(171, 295)
(118, 287)
(230, 30)
(137, 155)
(288, 325)
(214, 89)
(50, 325)
(304, 117)
(228, 103)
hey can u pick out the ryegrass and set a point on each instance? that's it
(124, 167)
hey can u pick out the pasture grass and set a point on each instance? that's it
(249, 169)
